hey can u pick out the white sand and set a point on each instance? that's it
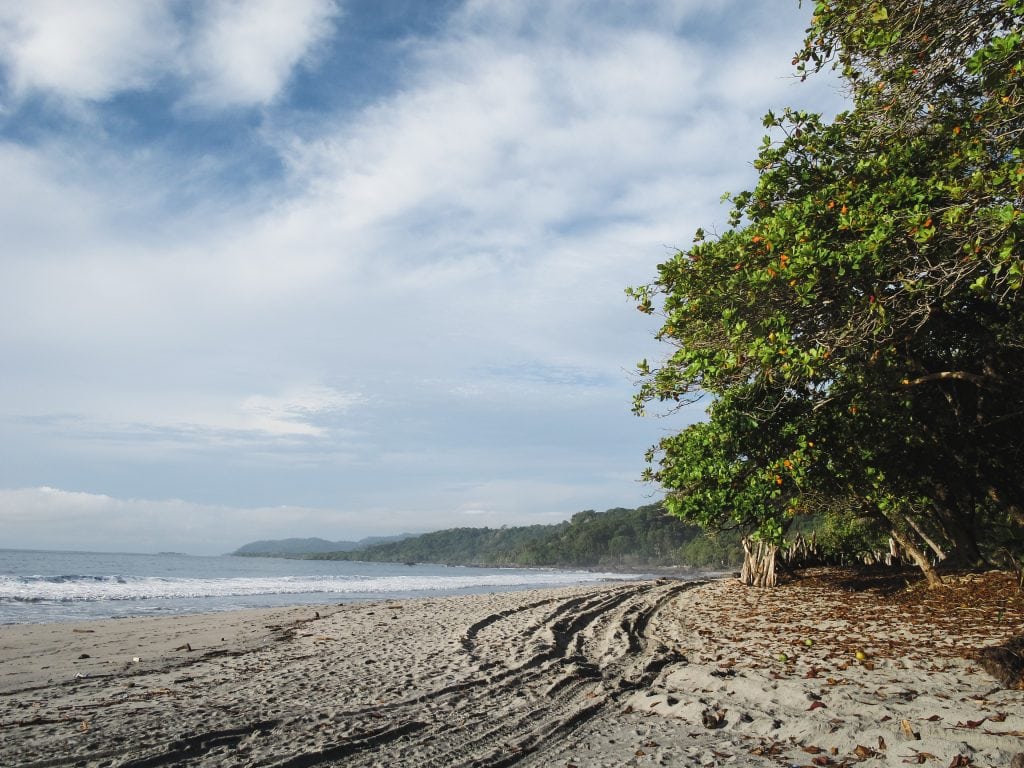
(648, 673)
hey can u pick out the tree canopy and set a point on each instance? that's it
(859, 327)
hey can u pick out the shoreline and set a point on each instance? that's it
(659, 672)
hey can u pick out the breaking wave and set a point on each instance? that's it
(72, 588)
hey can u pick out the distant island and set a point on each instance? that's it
(616, 538)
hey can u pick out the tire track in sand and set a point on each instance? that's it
(491, 680)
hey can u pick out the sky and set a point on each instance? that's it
(284, 268)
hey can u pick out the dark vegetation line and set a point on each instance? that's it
(624, 538)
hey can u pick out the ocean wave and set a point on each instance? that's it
(36, 589)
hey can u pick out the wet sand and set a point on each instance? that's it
(642, 673)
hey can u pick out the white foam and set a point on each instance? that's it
(143, 588)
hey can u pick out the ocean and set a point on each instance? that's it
(37, 586)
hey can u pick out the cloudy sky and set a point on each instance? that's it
(307, 268)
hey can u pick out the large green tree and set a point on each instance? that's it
(859, 328)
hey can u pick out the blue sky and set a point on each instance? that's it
(309, 268)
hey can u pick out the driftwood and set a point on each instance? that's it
(1005, 662)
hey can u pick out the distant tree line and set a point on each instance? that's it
(627, 538)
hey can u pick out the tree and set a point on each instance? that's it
(859, 328)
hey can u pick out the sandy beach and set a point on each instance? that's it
(664, 673)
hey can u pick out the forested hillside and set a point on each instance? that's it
(296, 546)
(619, 537)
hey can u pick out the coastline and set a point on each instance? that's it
(655, 672)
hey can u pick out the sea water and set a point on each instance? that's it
(37, 586)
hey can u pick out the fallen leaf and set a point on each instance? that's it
(863, 752)
(815, 705)
(881, 743)
(971, 723)
(812, 750)
(934, 718)
(908, 730)
(998, 717)
(960, 761)
(822, 760)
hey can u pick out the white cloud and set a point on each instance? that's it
(239, 53)
(247, 49)
(296, 411)
(457, 251)
(86, 51)
(51, 518)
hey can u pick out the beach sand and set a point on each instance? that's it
(661, 673)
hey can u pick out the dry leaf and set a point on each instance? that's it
(908, 730)
(881, 743)
(815, 705)
(934, 718)
(863, 752)
(960, 761)
(822, 760)
(998, 717)
(812, 750)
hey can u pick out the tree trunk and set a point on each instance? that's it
(954, 516)
(759, 564)
(939, 553)
(919, 558)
